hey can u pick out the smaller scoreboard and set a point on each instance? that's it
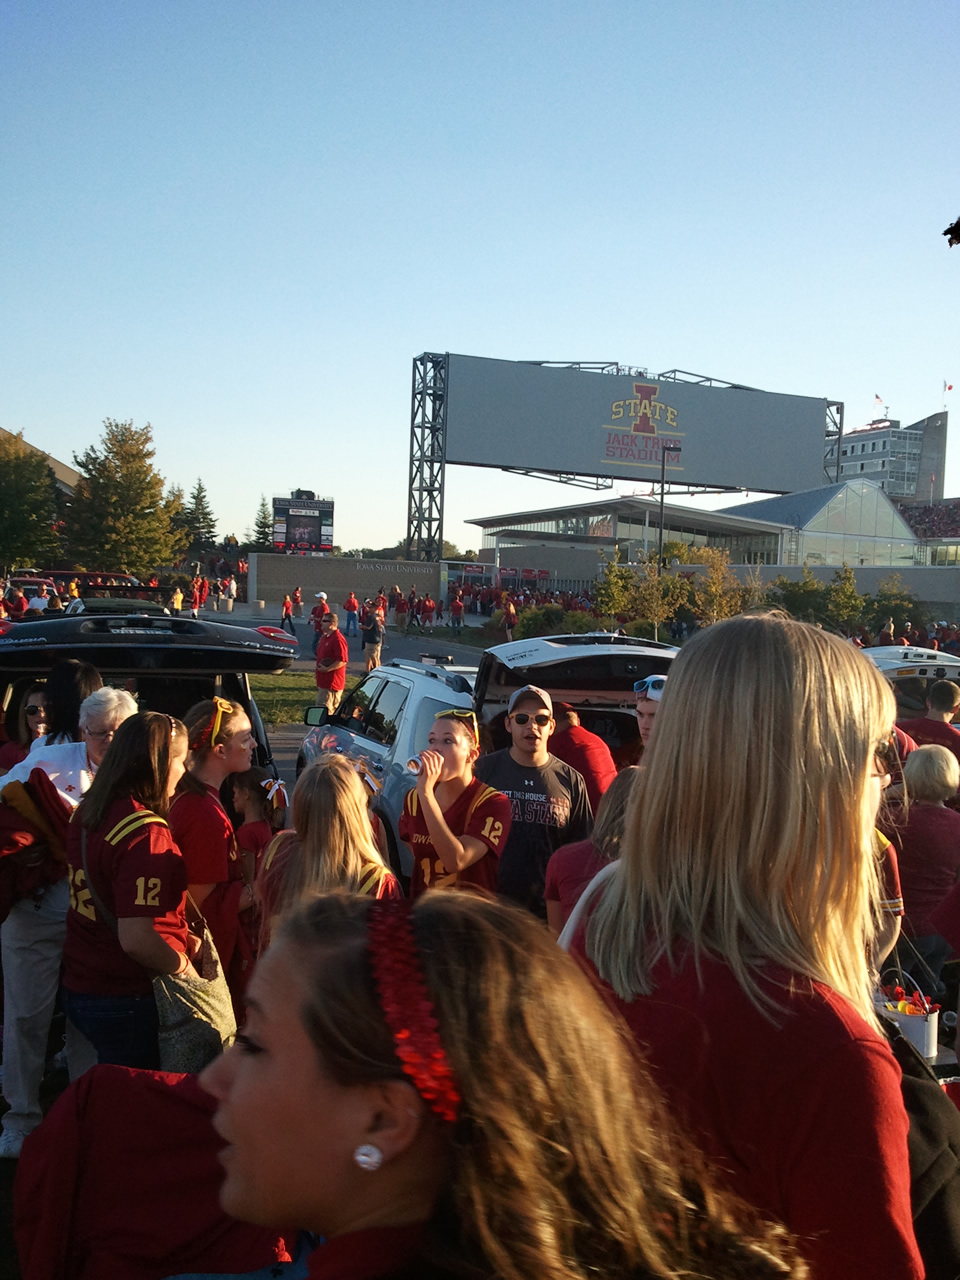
(302, 523)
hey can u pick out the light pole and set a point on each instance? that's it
(663, 480)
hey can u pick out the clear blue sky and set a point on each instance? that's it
(240, 221)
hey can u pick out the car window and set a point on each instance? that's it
(426, 714)
(356, 704)
(382, 721)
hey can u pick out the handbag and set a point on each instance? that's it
(196, 1017)
(197, 1020)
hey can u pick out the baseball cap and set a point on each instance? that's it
(531, 691)
(321, 595)
(651, 687)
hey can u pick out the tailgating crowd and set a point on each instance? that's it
(425, 1084)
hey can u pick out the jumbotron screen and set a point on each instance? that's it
(301, 525)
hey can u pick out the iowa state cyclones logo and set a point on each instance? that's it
(640, 416)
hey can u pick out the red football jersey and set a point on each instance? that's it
(136, 870)
(478, 811)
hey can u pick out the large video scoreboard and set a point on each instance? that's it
(302, 523)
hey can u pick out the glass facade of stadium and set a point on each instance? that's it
(850, 523)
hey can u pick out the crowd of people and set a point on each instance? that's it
(933, 520)
(694, 1082)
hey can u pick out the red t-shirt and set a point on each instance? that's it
(205, 837)
(456, 608)
(428, 608)
(803, 1111)
(924, 732)
(569, 871)
(11, 753)
(478, 811)
(319, 610)
(332, 648)
(928, 843)
(589, 755)
(402, 605)
(136, 870)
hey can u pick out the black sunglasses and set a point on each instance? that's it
(32, 709)
(522, 717)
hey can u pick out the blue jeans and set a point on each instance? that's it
(122, 1029)
(351, 627)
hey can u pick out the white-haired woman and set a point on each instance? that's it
(734, 934)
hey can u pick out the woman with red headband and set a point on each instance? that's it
(437, 1092)
(221, 743)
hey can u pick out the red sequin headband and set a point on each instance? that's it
(407, 1006)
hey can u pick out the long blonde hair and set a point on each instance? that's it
(750, 832)
(564, 1161)
(332, 844)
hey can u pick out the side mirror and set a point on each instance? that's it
(314, 716)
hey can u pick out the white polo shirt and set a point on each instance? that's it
(66, 765)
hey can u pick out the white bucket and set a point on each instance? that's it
(920, 1030)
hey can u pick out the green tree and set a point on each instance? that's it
(805, 599)
(28, 505)
(755, 593)
(717, 592)
(682, 551)
(657, 596)
(200, 518)
(118, 518)
(263, 526)
(893, 600)
(179, 525)
(612, 594)
(845, 607)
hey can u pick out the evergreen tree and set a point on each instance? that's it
(201, 523)
(179, 524)
(263, 526)
(118, 518)
(29, 505)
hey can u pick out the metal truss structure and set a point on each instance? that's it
(428, 446)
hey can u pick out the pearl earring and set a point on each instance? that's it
(368, 1157)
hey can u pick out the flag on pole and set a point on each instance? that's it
(878, 400)
(947, 386)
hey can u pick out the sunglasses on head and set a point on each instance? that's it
(651, 686)
(460, 713)
(541, 718)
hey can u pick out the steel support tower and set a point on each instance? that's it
(428, 420)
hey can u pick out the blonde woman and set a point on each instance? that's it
(331, 846)
(733, 934)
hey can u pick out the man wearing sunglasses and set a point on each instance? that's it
(548, 799)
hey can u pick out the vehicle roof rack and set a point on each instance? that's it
(452, 679)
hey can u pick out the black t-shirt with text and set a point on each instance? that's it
(549, 808)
